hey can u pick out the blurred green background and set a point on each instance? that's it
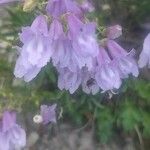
(126, 114)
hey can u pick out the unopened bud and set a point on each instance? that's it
(114, 32)
(29, 5)
(38, 119)
(106, 7)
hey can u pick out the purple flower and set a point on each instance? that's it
(11, 134)
(61, 47)
(123, 60)
(48, 113)
(57, 8)
(4, 142)
(72, 50)
(145, 54)
(107, 75)
(36, 51)
(89, 84)
(69, 80)
(84, 42)
(57, 37)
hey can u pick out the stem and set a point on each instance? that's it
(139, 137)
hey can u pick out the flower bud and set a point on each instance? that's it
(114, 32)
(38, 119)
(29, 5)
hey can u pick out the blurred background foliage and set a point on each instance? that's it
(125, 114)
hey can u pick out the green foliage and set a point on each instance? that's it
(105, 120)
(143, 89)
(129, 116)
(146, 123)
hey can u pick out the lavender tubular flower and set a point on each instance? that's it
(123, 60)
(83, 37)
(69, 80)
(57, 8)
(107, 75)
(36, 51)
(58, 38)
(72, 51)
(89, 84)
(61, 47)
(47, 114)
(145, 54)
(84, 43)
(4, 142)
(11, 134)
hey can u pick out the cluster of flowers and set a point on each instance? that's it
(12, 136)
(71, 44)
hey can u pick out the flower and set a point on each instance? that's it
(84, 43)
(123, 60)
(36, 51)
(57, 36)
(71, 49)
(69, 80)
(145, 54)
(89, 84)
(11, 134)
(107, 75)
(57, 8)
(48, 113)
